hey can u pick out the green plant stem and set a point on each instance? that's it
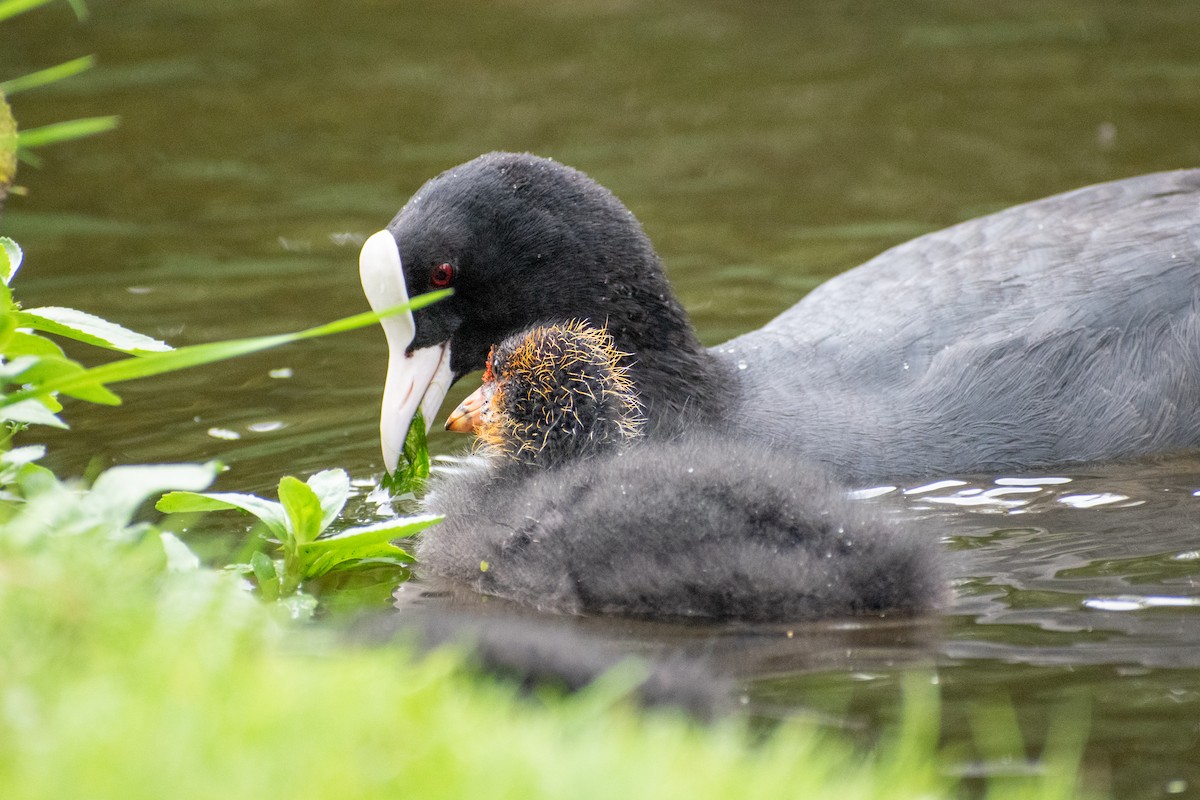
(195, 355)
(64, 131)
(11, 8)
(47, 76)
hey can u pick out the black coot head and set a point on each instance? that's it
(522, 240)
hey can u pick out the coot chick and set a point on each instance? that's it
(604, 521)
(1063, 330)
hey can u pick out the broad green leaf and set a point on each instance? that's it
(376, 553)
(39, 370)
(8, 329)
(31, 344)
(179, 557)
(195, 355)
(332, 487)
(119, 492)
(19, 456)
(373, 534)
(14, 461)
(47, 76)
(11, 370)
(302, 507)
(10, 259)
(90, 329)
(403, 561)
(57, 132)
(270, 513)
(35, 479)
(31, 412)
(369, 542)
(191, 502)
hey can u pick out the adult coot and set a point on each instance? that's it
(569, 509)
(1061, 330)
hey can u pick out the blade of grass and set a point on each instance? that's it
(195, 355)
(64, 131)
(10, 8)
(47, 76)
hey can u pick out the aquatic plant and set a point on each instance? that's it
(296, 524)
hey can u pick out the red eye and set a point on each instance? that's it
(442, 276)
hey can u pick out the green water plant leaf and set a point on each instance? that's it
(57, 132)
(413, 470)
(265, 573)
(368, 542)
(269, 513)
(297, 521)
(44, 77)
(10, 8)
(332, 489)
(31, 412)
(303, 509)
(10, 257)
(90, 329)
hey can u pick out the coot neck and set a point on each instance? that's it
(680, 383)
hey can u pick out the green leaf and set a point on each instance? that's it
(400, 528)
(369, 542)
(266, 575)
(332, 487)
(10, 8)
(58, 132)
(30, 344)
(271, 514)
(90, 329)
(31, 412)
(195, 355)
(119, 492)
(10, 259)
(302, 507)
(39, 370)
(413, 471)
(179, 557)
(350, 558)
(20, 456)
(190, 502)
(8, 329)
(12, 462)
(47, 76)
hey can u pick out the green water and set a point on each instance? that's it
(765, 147)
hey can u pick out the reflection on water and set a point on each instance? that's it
(765, 147)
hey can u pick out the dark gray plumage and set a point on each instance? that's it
(693, 528)
(703, 526)
(1062, 330)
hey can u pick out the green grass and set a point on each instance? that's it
(125, 676)
(119, 683)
